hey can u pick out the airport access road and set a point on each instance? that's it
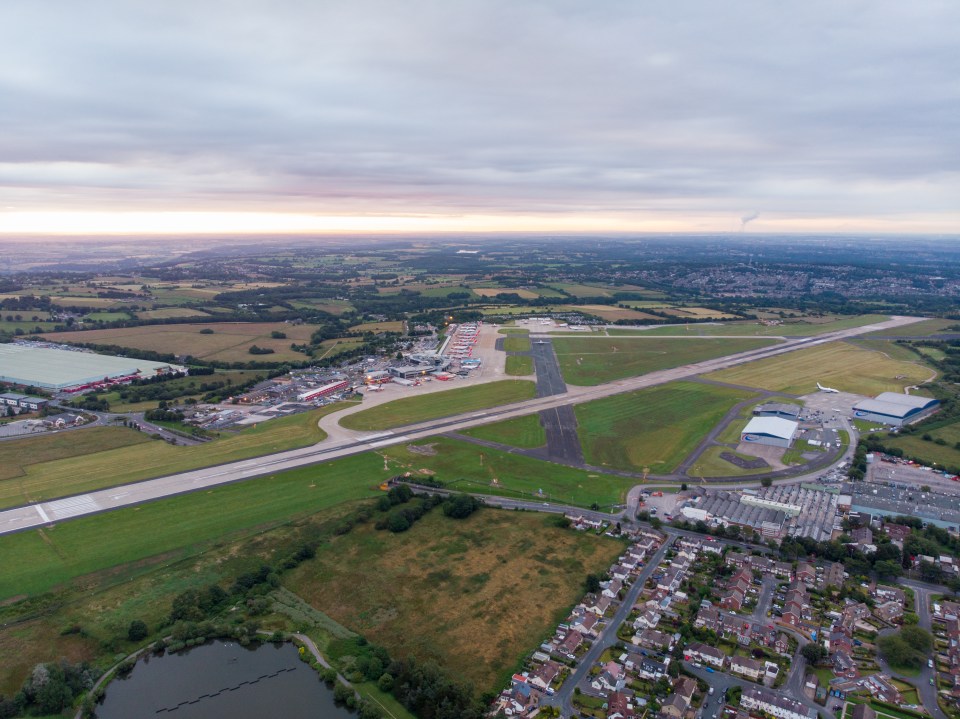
(43, 513)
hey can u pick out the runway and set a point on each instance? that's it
(37, 515)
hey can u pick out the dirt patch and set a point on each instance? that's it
(428, 472)
(742, 463)
(424, 450)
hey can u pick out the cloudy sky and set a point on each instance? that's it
(297, 115)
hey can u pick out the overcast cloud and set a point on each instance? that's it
(701, 112)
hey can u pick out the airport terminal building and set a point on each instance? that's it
(895, 409)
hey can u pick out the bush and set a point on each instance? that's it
(137, 631)
(461, 506)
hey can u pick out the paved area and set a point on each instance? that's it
(346, 443)
(563, 442)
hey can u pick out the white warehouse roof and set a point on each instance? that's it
(771, 426)
(906, 400)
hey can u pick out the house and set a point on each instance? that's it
(880, 686)
(652, 669)
(521, 699)
(885, 593)
(783, 569)
(746, 667)
(839, 641)
(890, 612)
(547, 672)
(861, 535)
(782, 644)
(810, 685)
(570, 644)
(653, 639)
(897, 532)
(699, 652)
(775, 704)
(833, 575)
(612, 590)
(843, 664)
(675, 706)
(647, 620)
(863, 711)
(619, 707)
(732, 600)
(598, 605)
(610, 679)
(707, 618)
(806, 573)
(587, 625)
(685, 687)
(620, 572)
(736, 559)
(670, 580)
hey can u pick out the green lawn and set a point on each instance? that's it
(513, 331)
(517, 343)
(98, 469)
(918, 329)
(524, 432)
(519, 365)
(656, 427)
(472, 468)
(945, 455)
(587, 361)
(37, 561)
(411, 410)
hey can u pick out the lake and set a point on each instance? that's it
(222, 679)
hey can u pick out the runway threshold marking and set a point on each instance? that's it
(43, 515)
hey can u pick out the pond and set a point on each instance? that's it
(222, 679)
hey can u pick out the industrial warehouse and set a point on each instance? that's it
(895, 409)
(66, 370)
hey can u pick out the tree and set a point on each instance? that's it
(906, 649)
(888, 569)
(592, 583)
(814, 652)
(385, 683)
(766, 482)
(137, 630)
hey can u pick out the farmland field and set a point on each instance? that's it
(524, 432)
(472, 468)
(170, 313)
(60, 477)
(608, 312)
(480, 593)
(494, 291)
(655, 428)
(411, 410)
(519, 365)
(589, 361)
(229, 341)
(837, 364)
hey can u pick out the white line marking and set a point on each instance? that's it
(385, 442)
(43, 515)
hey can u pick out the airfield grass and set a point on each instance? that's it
(609, 313)
(395, 326)
(588, 361)
(513, 331)
(229, 342)
(109, 467)
(525, 432)
(802, 327)
(837, 364)
(39, 560)
(655, 428)
(17, 455)
(475, 595)
(519, 365)
(890, 348)
(518, 343)
(471, 468)
(918, 329)
(710, 464)
(411, 410)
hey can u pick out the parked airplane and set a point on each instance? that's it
(827, 389)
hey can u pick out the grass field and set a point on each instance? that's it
(577, 290)
(655, 428)
(710, 464)
(411, 410)
(524, 432)
(37, 561)
(171, 313)
(804, 327)
(513, 331)
(837, 364)
(396, 326)
(595, 360)
(519, 365)
(472, 468)
(516, 343)
(494, 291)
(230, 341)
(236, 378)
(888, 347)
(475, 595)
(944, 455)
(61, 477)
(609, 313)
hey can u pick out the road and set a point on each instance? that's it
(37, 515)
(759, 615)
(721, 682)
(563, 698)
(926, 690)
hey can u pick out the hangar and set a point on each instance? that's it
(778, 409)
(773, 431)
(895, 409)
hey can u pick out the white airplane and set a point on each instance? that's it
(827, 389)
